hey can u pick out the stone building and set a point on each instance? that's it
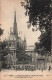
(37, 60)
(30, 51)
(14, 43)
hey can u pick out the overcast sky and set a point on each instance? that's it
(7, 20)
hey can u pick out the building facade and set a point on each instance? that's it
(15, 44)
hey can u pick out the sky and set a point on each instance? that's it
(7, 19)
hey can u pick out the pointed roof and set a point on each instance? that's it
(15, 31)
(14, 16)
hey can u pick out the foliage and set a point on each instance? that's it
(40, 49)
(21, 53)
(3, 44)
(3, 53)
(1, 31)
(39, 12)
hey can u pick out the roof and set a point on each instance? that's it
(30, 48)
(12, 37)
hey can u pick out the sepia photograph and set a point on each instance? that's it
(25, 39)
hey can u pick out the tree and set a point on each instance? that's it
(40, 49)
(21, 56)
(3, 51)
(1, 31)
(39, 13)
(3, 44)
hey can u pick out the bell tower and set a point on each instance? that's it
(15, 31)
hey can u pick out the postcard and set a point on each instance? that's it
(25, 40)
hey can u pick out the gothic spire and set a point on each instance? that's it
(15, 25)
(15, 17)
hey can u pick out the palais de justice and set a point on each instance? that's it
(22, 56)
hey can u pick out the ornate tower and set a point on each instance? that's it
(15, 32)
